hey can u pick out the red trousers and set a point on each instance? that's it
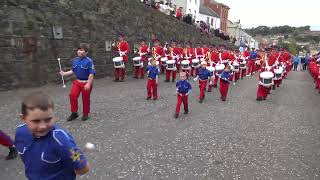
(277, 82)
(152, 88)
(178, 67)
(194, 71)
(139, 70)
(216, 78)
(224, 87)
(5, 140)
(251, 67)
(202, 86)
(122, 71)
(237, 75)
(78, 87)
(162, 69)
(318, 84)
(243, 72)
(263, 91)
(181, 98)
(168, 74)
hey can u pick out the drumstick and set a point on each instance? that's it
(63, 85)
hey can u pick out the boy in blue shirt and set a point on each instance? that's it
(224, 82)
(183, 91)
(83, 68)
(47, 151)
(152, 85)
(204, 75)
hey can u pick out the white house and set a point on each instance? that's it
(208, 16)
(199, 12)
(188, 6)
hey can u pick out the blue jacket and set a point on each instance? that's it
(183, 86)
(296, 59)
(153, 72)
(204, 74)
(54, 156)
(83, 67)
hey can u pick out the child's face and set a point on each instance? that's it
(203, 66)
(81, 53)
(183, 76)
(153, 63)
(39, 122)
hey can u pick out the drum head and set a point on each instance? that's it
(266, 75)
(137, 58)
(185, 62)
(117, 59)
(195, 60)
(171, 62)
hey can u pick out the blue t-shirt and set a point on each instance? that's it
(253, 55)
(51, 157)
(204, 74)
(183, 86)
(153, 72)
(225, 76)
(83, 67)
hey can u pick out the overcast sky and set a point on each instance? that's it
(275, 12)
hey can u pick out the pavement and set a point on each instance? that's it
(138, 139)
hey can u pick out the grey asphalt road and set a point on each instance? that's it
(138, 139)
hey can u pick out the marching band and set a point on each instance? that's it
(209, 65)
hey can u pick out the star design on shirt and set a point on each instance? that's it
(75, 155)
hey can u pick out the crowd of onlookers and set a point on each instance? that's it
(170, 9)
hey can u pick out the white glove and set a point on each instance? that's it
(195, 79)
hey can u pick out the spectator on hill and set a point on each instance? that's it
(179, 13)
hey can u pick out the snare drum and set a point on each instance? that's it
(164, 61)
(137, 61)
(171, 65)
(195, 63)
(266, 78)
(118, 62)
(185, 64)
(243, 65)
(219, 69)
(236, 67)
(278, 73)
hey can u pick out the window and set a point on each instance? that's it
(195, 2)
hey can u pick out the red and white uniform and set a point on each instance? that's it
(123, 50)
(142, 52)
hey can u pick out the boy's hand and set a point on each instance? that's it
(61, 73)
(87, 86)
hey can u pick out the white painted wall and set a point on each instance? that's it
(204, 17)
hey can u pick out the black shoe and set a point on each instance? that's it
(201, 101)
(273, 87)
(176, 116)
(215, 86)
(73, 116)
(173, 80)
(135, 77)
(84, 118)
(186, 112)
(155, 98)
(259, 99)
(116, 80)
(121, 80)
(166, 80)
(148, 98)
(12, 154)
